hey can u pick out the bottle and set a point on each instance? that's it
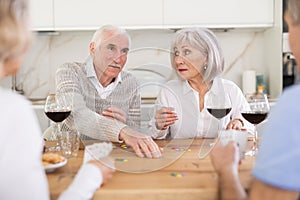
(260, 89)
(260, 84)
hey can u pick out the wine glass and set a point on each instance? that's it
(57, 109)
(258, 112)
(218, 105)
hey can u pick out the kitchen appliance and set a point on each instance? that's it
(289, 74)
(289, 69)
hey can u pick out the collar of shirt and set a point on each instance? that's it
(103, 92)
(216, 88)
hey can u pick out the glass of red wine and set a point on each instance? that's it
(57, 109)
(218, 105)
(258, 112)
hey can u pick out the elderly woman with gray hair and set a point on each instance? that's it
(182, 112)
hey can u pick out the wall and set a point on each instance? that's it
(243, 49)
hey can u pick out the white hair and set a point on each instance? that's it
(98, 35)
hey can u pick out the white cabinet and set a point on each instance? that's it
(219, 13)
(92, 14)
(41, 13)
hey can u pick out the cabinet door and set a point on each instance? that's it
(41, 13)
(92, 14)
(219, 13)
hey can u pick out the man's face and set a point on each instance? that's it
(294, 37)
(110, 56)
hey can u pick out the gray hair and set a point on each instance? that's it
(293, 7)
(15, 32)
(206, 42)
(99, 34)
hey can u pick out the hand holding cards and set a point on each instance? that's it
(240, 137)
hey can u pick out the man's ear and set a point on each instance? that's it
(92, 48)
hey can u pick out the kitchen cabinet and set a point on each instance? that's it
(41, 13)
(92, 14)
(218, 13)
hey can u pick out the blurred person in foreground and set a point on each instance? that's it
(197, 57)
(21, 171)
(106, 100)
(276, 174)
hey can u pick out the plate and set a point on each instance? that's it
(53, 167)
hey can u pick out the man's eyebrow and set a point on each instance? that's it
(111, 45)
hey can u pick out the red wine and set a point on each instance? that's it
(255, 117)
(219, 112)
(58, 116)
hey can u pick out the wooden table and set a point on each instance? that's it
(180, 174)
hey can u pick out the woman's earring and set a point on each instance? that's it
(205, 67)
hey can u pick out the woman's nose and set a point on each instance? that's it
(179, 60)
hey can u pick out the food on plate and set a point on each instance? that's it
(51, 158)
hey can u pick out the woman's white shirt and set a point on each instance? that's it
(22, 174)
(192, 122)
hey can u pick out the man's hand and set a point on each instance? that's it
(225, 159)
(142, 145)
(113, 112)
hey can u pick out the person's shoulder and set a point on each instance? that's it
(175, 83)
(228, 82)
(71, 68)
(291, 90)
(13, 103)
(230, 85)
(126, 76)
(9, 97)
(72, 65)
(291, 94)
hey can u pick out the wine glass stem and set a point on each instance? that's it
(58, 135)
(255, 140)
(220, 124)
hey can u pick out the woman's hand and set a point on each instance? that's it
(113, 112)
(106, 166)
(165, 117)
(236, 124)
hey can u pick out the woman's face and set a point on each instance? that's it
(189, 61)
(294, 37)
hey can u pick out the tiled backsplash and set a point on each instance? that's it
(243, 49)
